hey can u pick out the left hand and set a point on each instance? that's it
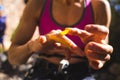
(61, 44)
(97, 49)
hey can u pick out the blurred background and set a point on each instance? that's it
(12, 11)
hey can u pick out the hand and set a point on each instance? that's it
(97, 49)
(98, 54)
(56, 44)
(66, 46)
(37, 44)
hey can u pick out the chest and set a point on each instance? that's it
(67, 15)
(59, 16)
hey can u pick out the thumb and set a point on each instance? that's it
(98, 30)
(83, 34)
(42, 39)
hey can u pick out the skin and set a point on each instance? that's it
(96, 50)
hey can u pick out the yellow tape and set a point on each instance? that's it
(60, 39)
(64, 32)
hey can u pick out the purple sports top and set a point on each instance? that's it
(47, 23)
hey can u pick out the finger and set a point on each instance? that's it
(97, 56)
(84, 35)
(47, 45)
(75, 50)
(78, 32)
(69, 51)
(52, 32)
(99, 48)
(99, 30)
(62, 39)
(78, 51)
(97, 64)
(65, 52)
(42, 39)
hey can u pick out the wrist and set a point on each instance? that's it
(35, 46)
(29, 47)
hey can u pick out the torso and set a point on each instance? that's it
(48, 21)
(34, 10)
(72, 16)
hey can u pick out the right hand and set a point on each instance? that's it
(97, 49)
(50, 46)
(37, 44)
(66, 46)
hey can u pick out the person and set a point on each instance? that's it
(2, 32)
(2, 26)
(74, 56)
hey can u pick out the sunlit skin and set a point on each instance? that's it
(94, 36)
(97, 49)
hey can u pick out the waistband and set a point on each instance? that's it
(60, 56)
(44, 69)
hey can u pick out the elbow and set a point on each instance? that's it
(12, 60)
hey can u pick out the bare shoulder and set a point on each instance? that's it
(36, 2)
(29, 20)
(34, 7)
(100, 3)
(102, 12)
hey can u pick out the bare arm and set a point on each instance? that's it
(95, 36)
(19, 50)
(102, 12)
(99, 53)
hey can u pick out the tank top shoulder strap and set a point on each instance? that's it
(89, 10)
(47, 6)
(88, 6)
(87, 2)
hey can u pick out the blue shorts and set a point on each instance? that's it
(1, 39)
(43, 70)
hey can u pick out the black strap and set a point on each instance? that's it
(60, 56)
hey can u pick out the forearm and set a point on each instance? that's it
(19, 54)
